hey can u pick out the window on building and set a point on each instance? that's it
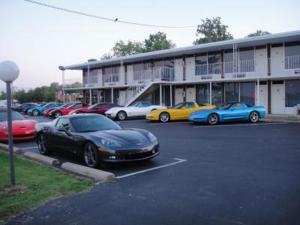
(202, 93)
(229, 63)
(292, 93)
(292, 56)
(111, 74)
(142, 71)
(214, 63)
(217, 94)
(246, 60)
(247, 93)
(201, 65)
(231, 92)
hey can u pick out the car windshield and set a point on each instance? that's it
(225, 106)
(15, 116)
(93, 123)
(179, 105)
(94, 106)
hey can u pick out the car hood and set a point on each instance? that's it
(115, 109)
(124, 138)
(20, 124)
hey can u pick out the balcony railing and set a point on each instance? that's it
(72, 83)
(154, 74)
(111, 78)
(292, 62)
(243, 66)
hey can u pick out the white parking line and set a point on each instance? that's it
(239, 125)
(177, 161)
(28, 148)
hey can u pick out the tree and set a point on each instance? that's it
(130, 48)
(157, 41)
(39, 94)
(212, 30)
(154, 42)
(258, 33)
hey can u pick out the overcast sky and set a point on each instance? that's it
(40, 39)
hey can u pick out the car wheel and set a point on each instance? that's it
(254, 117)
(213, 119)
(57, 114)
(42, 145)
(90, 155)
(35, 112)
(121, 115)
(164, 117)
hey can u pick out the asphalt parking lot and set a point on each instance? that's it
(227, 174)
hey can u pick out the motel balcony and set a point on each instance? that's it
(292, 62)
(153, 75)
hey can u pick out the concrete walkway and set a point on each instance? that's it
(281, 118)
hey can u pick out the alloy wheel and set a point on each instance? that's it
(90, 157)
(164, 117)
(41, 144)
(35, 112)
(121, 115)
(213, 119)
(254, 117)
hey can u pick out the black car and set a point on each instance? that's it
(96, 139)
(24, 107)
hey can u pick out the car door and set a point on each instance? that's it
(145, 108)
(237, 111)
(62, 137)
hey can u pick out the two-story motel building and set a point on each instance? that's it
(263, 70)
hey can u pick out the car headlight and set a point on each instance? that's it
(110, 143)
(151, 137)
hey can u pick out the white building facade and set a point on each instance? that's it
(262, 70)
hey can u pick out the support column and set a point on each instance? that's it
(63, 85)
(184, 68)
(112, 95)
(269, 97)
(210, 93)
(257, 93)
(160, 94)
(90, 97)
(171, 95)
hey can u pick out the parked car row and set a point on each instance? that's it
(79, 130)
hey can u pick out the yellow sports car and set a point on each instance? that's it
(181, 111)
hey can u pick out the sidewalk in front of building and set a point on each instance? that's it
(282, 118)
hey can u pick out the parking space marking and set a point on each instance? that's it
(28, 148)
(239, 125)
(177, 161)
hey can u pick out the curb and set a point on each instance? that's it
(43, 159)
(95, 174)
(15, 149)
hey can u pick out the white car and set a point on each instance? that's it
(138, 109)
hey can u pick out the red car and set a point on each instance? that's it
(47, 111)
(99, 108)
(65, 111)
(23, 129)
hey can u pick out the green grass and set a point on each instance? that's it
(42, 183)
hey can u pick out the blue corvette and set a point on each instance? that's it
(230, 112)
(38, 110)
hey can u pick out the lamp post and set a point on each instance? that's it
(9, 71)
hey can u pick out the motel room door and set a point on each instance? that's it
(179, 95)
(263, 96)
(277, 98)
(190, 94)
